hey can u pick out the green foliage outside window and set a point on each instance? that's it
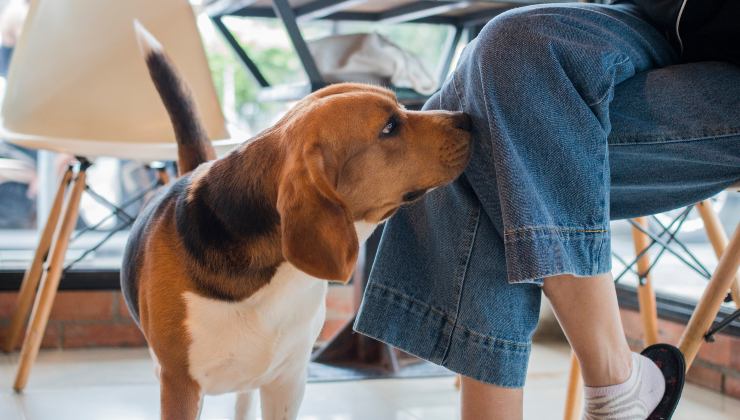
(282, 66)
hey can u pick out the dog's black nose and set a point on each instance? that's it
(463, 121)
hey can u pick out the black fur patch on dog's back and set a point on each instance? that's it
(219, 230)
(221, 262)
(219, 240)
(237, 219)
(201, 230)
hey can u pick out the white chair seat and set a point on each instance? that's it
(145, 151)
(78, 82)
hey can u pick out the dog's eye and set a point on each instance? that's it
(390, 127)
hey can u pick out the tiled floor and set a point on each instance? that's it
(120, 384)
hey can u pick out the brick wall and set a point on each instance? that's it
(101, 319)
(717, 366)
(82, 319)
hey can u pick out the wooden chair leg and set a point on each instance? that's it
(574, 398)
(718, 238)
(708, 306)
(50, 281)
(33, 273)
(645, 292)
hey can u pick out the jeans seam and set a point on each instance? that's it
(410, 299)
(457, 93)
(596, 262)
(520, 344)
(611, 86)
(674, 141)
(461, 273)
(588, 229)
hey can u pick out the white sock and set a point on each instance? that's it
(633, 399)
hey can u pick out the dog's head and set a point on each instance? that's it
(354, 154)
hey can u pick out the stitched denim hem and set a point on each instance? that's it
(426, 332)
(542, 251)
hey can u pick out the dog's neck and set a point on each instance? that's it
(229, 222)
(241, 188)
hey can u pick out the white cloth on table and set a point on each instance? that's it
(370, 58)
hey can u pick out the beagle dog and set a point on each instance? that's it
(225, 269)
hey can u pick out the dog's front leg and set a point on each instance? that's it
(179, 396)
(282, 397)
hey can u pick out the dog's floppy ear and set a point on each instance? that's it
(318, 234)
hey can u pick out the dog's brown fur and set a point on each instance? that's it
(292, 193)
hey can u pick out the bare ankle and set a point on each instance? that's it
(613, 370)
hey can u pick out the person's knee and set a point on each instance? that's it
(528, 36)
(514, 31)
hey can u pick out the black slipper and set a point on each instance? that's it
(670, 361)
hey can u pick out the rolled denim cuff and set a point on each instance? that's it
(534, 253)
(424, 331)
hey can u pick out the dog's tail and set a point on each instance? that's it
(193, 145)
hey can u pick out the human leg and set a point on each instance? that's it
(479, 400)
(571, 248)
(584, 306)
(674, 142)
(538, 84)
(686, 148)
(439, 286)
(543, 177)
(619, 383)
(438, 290)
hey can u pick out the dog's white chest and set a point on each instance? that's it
(244, 345)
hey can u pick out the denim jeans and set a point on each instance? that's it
(581, 115)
